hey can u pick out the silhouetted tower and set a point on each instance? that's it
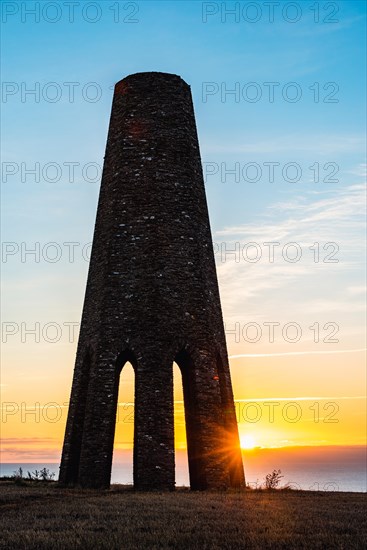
(151, 299)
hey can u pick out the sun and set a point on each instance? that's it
(247, 442)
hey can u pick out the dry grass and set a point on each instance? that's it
(40, 516)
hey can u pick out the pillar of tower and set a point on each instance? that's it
(151, 299)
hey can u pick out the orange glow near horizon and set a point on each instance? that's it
(272, 412)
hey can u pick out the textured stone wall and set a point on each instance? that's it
(152, 298)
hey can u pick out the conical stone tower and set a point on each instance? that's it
(151, 299)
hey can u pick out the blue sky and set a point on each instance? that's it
(172, 37)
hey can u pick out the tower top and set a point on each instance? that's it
(152, 76)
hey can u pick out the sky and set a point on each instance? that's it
(278, 91)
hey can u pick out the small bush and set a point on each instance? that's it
(41, 475)
(18, 474)
(17, 477)
(272, 480)
(46, 475)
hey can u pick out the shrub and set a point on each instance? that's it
(18, 477)
(46, 475)
(41, 475)
(272, 480)
(18, 474)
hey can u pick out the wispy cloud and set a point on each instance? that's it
(27, 440)
(338, 217)
(303, 398)
(358, 289)
(360, 170)
(331, 28)
(320, 352)
(317, 144)
(346, 206)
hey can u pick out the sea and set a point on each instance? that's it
(331, 468)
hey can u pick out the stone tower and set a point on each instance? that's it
(151, 299)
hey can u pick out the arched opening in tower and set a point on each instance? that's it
(122, 463)
(181, 460)
(194, 439)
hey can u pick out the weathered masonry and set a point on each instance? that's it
(151, 299)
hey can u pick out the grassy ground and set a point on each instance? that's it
(41, 515)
